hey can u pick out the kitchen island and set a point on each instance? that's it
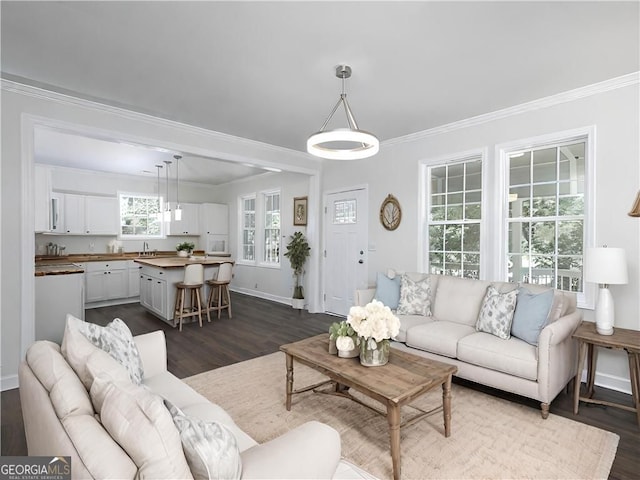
(159, 275)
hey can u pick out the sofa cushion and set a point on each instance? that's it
(415, 296)
(66, 391)
(496, 312)
(410, 321)
(563, 302)
(531, 314)
(138, 420)
(438, 337)
(387, 290)
(513, 356)
(459, 299)
(210, 448)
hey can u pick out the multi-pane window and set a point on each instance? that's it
(344, 211)
(139, 216)
(454, 206)
(272, 227)
(546, 215)
(248, 226)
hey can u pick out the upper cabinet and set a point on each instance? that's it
(88, 215)
(214, 219)
(189, 224)
(42, 186)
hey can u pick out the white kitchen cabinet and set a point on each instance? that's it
(153, 293)
(89, 215)
(190, 222)
(214, 219)
(101, 215)
(74, 214)
(106, 281)
(57, 212)
(42, 187)
(133, 270)
(55, 297)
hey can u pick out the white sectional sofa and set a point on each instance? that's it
(60, 419)
(448, 332)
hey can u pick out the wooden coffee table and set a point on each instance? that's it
(405, 378)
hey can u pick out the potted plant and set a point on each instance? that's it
(298, 251)
(344, 337)
(185, 248)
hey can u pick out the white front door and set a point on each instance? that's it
(346, 243)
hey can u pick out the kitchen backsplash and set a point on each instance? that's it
(75, 244)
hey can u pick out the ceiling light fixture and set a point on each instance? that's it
(167, 208)
(178, 211)
(343, 143)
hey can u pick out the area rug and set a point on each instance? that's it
(491, 437)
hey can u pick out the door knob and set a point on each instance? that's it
(360, 261)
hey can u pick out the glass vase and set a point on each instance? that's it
(372, 353)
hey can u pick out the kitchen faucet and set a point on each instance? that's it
(145, 247)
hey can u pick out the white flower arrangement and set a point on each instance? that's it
(374, 321)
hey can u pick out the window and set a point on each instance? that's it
(248, 226)
(453, 225)
(344, 211)
(546, 215)
(260, 220)
(139, 216)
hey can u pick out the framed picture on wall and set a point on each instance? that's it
(300, 211)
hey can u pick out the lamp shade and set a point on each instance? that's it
(605, 265)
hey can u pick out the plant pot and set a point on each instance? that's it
(332, 346)
(183, 253)
(372, 353)
(297, 303)
(352, 351)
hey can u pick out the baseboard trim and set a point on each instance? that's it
(611, 382)
(9, 382)
(266, 296)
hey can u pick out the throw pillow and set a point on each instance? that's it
(138, 420)
(115, 339)
(496, 313)
(210, 447)
(387, 290)
(415, 297)
(531, 315)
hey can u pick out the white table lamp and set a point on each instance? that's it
(605, 266)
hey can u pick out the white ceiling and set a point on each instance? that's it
(265, 70)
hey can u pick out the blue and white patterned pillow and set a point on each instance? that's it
(415, 297)
(210, 447)
(496, 313)
(116, 339)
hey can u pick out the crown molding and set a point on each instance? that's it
(61, 98)
(545, 102)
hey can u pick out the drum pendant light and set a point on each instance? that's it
(167, 208)
(343, 143)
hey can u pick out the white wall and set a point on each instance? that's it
(272, 283)
(615, 114)
(24, 108)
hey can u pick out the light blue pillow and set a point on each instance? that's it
(388, 290)
(532, 312)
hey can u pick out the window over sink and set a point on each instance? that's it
(140, 216)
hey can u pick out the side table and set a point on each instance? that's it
(622, 339)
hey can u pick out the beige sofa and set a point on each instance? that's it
(449, 334)
(60, 420)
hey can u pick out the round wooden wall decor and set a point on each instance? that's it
(390, 213)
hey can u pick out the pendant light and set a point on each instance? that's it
(343, 143)
(159, 214)
(167, 208)
(178, 210)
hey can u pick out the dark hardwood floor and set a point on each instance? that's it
(259, 327)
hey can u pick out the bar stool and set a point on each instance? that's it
(219, 290)
(192, 282)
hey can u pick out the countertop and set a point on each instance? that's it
(179, 262)
(98, 257)
(57, 269)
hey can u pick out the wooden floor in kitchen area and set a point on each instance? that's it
(259, 327)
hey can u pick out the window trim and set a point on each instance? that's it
(260, 211)
(132, 237)
(587, 298)
(241, 199)
(263, 195)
